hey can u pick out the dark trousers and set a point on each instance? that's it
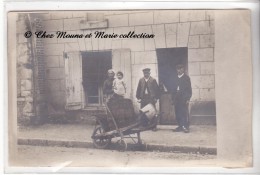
(181, 111)
(146, 100)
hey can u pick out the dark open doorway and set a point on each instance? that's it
(168, 58)
(95, 66)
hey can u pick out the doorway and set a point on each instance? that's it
(94, 73)
(168, 58)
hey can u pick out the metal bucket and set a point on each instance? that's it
(149, 110)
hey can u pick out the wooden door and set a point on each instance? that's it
(121, 61)
(73, 80)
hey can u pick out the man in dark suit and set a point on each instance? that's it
(147, 89)
(147, 92)
(181, 97)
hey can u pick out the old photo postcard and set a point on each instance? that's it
(130, 88)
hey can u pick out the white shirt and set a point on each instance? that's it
(146, 90)
(178, 88)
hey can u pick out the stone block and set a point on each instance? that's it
(117, 20)
(95, 43)
(201, 27)
(62, 63)
(26, 85)
(202, 81)
(133, 44)
(22, 50)
(71, 47)
(145, 57)
(28, 107)
(52, 61)
(166, 16)
(26, 93)
(206, 54)
(52, 86)
(159, 32)
(88, 41)
(86, 25)
(108, 41)
(194, 41)
(54, 49)
(21, 27)
(55, 73)
(136, 19)
(194, 68)
(95, 16)
(26, 73)
(171, 29)
(171, 41)
(53, 25)
(22, 58)
(80, 14)
(207, 94)
(149, 44)
(116, 44)
(207, 41)
(61, 15)
(46, 16)
(207, 68)
(183, 34)
(21, 38)
(210, 14)
(192, 15)
(29, 99)
(72, 24)
(195, 95)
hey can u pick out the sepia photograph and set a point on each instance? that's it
(129, 88)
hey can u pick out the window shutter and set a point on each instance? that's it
(121, 61)
(73, 80)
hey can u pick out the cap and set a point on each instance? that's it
(146, 70)
(178, 66)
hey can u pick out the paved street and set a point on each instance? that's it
(83, 157)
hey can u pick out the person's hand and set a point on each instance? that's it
(187, 102)
(138, 100)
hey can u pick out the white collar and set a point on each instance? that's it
(180, 75)
(146, 79)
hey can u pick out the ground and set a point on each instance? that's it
(60, 157)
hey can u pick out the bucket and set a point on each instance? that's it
(149, 110)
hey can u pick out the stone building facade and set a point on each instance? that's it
(190, 30)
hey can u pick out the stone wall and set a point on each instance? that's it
(180, 28)
(25, 98)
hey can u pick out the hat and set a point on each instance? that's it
(110, 71)
(146, 70)
(178, 66)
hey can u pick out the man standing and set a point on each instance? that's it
(147, 89)
(108, 85)
(181, 97)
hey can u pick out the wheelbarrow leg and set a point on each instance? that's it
(139, 138)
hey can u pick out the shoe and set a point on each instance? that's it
(185, 130)
(178, 129)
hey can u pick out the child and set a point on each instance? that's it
(119, 85)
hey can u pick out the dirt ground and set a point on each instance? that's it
(60, 157)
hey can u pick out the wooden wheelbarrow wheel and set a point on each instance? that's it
(100, 143)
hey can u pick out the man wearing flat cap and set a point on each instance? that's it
(147, 89)
(181, 97)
